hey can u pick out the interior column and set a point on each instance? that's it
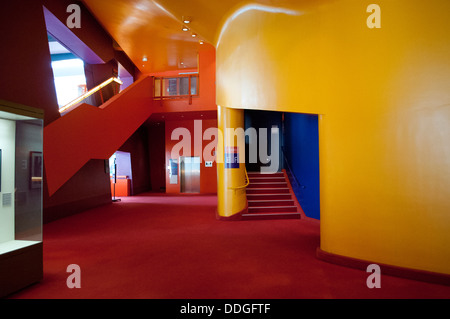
(231, 179)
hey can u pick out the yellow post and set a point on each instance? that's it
(231, 178)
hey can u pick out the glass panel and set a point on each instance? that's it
(20, 181)
(194, 82)
(70, 81)
(171, 87)
(177, 86)
(184, 86)
(157, 87)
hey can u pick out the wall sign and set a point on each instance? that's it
(231, 157)
(173, 171)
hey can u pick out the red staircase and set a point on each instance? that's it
(269, 197)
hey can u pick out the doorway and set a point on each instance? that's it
(263, 122)
(190, 174)
(121, 174)
(298, 152)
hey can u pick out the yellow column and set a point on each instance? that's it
(231, 195)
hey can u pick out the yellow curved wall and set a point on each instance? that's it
(384, 99)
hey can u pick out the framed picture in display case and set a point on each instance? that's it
(35, 169)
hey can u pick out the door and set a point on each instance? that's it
(189, 174)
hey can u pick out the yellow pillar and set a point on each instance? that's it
(231, 195)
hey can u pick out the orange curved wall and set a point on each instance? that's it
(383, 97)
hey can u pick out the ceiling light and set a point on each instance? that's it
(185, 28)
(201, 41)
(186, 20)
(194, 35)
(144, 59)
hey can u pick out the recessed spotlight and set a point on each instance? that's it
(144, 59)
(194, 35)
(185, 28)
(186, 20)
(201, 41)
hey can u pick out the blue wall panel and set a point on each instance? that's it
(301, 149)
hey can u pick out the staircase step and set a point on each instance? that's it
(255, 174)
(267, 185)
(271, 216)
(270, 202)
(267, 179)
(272, 209)
(268, 196)
(282, 190)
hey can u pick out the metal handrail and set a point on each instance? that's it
(89, 93)
(246, 184)
(290, 169)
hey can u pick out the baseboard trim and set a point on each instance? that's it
(402, 272)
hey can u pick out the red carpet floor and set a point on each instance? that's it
(172, 247)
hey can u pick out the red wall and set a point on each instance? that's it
(157, 157)
(137, 146)
(26, 77)
(208, 175)
(206, 101)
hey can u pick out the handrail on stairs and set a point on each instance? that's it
(290, 169)
(89, 93)
(246, 183)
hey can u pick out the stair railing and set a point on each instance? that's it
(72, 104)
(290, 170)
(246, 183)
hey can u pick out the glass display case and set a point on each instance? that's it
(21, 173)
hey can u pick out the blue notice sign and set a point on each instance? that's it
(231, 157)
(173, 167)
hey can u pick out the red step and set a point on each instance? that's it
(267, 185)
(268, 191)
(267, 196)
(270, 216)
(272, 209)
(270, 202)
(267, 179)
(254, 174)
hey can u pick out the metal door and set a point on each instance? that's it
(189, 174)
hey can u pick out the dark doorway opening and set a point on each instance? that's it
(297, 153)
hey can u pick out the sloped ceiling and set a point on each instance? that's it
(146, 29)
(152, 29)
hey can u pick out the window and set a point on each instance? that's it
(176, 87)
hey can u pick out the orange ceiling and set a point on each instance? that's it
(153, 28)
(143, 28)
